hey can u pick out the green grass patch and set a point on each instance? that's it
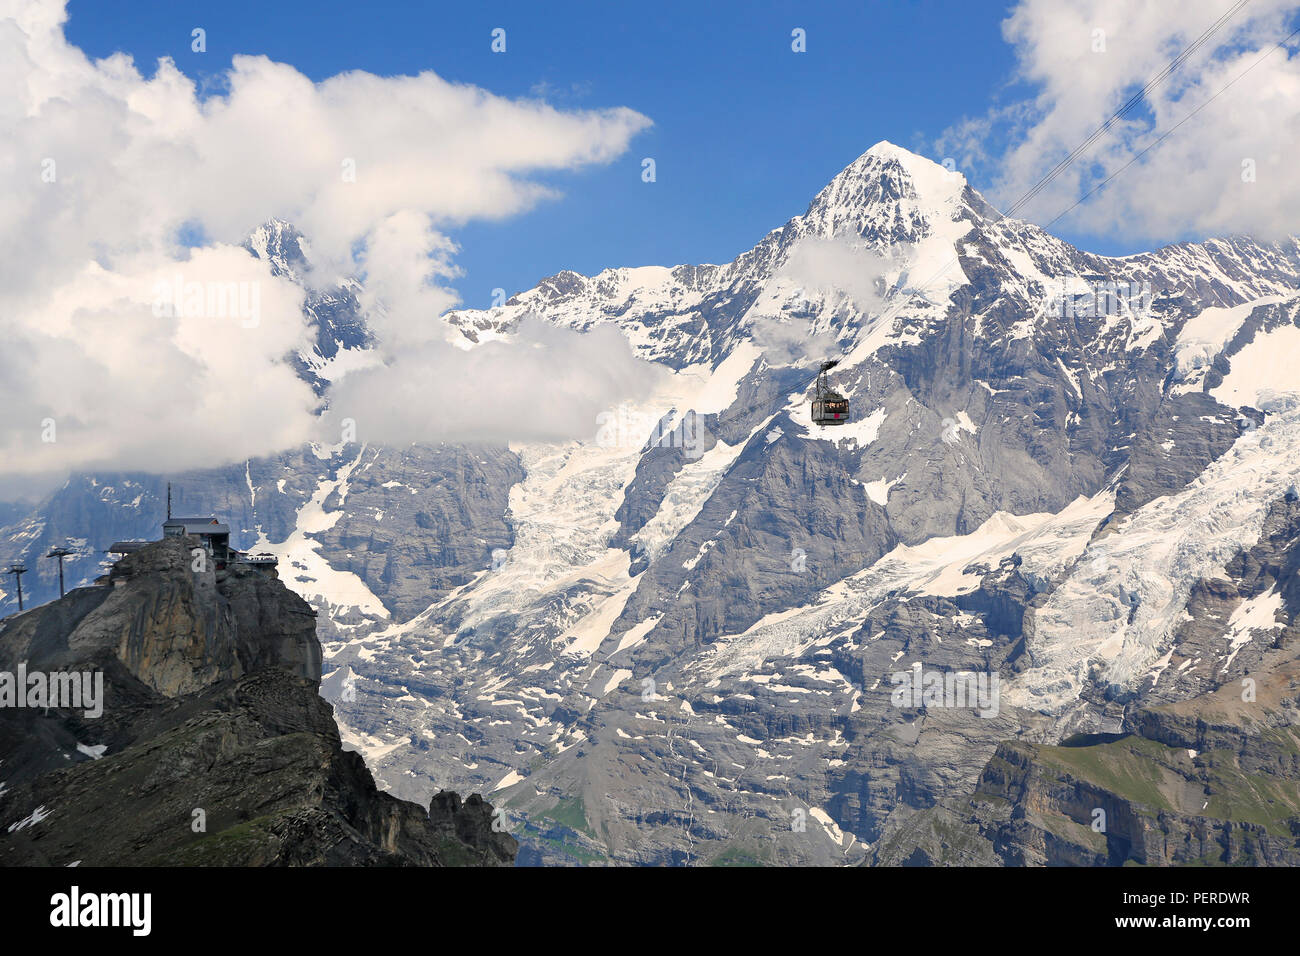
(569, 812)
(738, 856)
(1132, 768)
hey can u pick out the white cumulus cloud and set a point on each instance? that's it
(1228, 169)
(105, 166)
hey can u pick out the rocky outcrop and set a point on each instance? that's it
(213, 746)
(1208, 780)
(1139, 800)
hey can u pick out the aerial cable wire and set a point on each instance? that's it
(1155, 81)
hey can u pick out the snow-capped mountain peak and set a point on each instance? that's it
(887, 195)
(888, 202)
(282, 245)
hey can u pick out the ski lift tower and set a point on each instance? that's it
(18, 570)
(60, 553)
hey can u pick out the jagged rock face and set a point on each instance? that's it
(746, 537)
(214, 746)
(417, 525)
(1256, 600)
(681, 650)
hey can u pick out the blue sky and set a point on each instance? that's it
(746, 131)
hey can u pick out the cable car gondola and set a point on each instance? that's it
(829, 407)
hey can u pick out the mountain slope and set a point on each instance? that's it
(675, 641)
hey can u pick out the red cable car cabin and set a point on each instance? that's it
(829, 407)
